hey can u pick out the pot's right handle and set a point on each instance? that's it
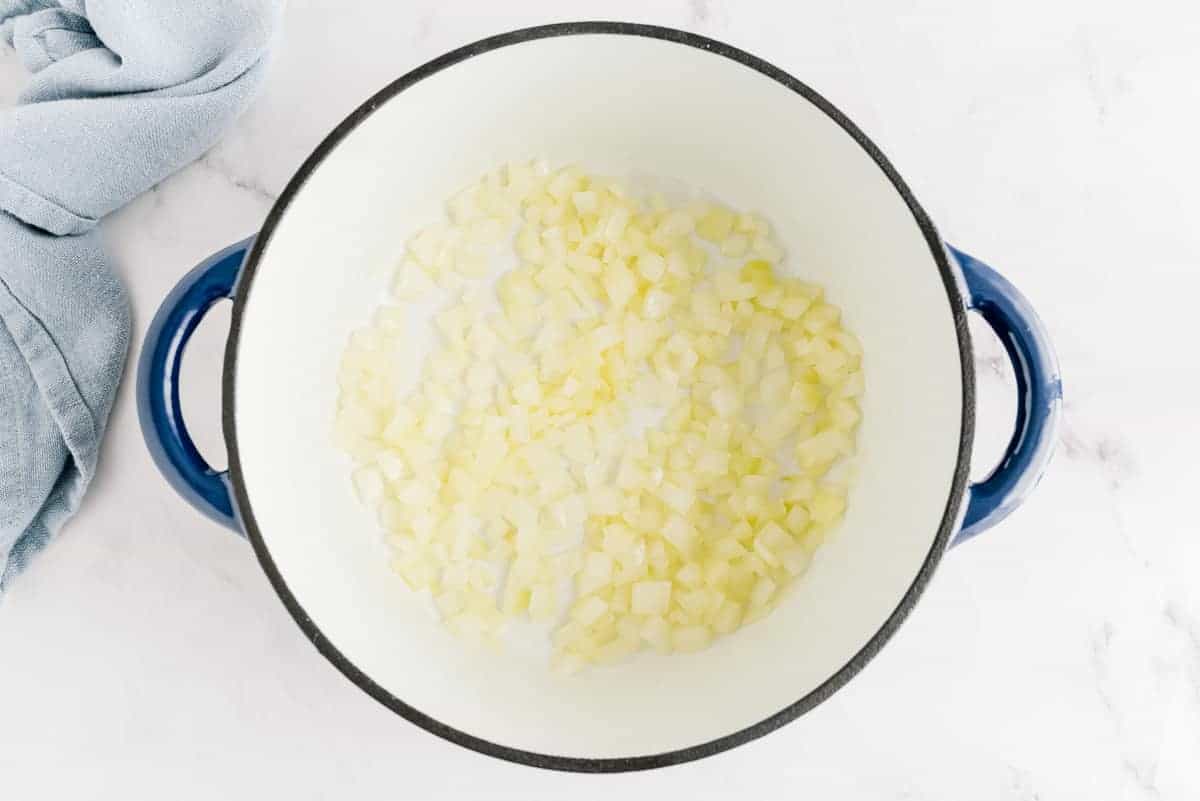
(1039, 397)
(159, 409)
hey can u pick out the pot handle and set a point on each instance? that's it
(1039, 397)
(159, 409)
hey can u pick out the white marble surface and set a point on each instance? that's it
(1057, 657)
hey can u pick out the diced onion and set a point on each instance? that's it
(633, 448)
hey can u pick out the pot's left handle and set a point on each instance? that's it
(159, 409)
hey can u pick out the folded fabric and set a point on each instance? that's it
(123, 93)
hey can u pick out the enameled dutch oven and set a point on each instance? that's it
(623, 99)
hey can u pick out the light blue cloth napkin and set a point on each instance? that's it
(123, 93)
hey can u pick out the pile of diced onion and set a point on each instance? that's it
(637, 436)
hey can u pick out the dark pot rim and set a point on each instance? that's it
(581, 764)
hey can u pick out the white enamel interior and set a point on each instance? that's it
(621, 104)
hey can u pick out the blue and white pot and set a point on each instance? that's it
(627, 99)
